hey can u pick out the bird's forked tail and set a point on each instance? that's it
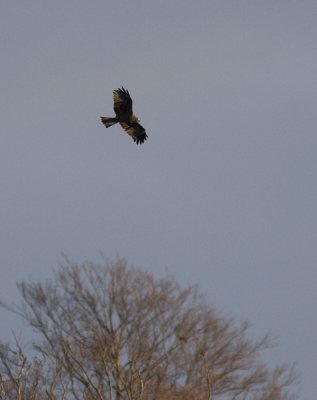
(108, 121)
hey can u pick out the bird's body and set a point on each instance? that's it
(122, 105)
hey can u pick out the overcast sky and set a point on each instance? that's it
(222, 194)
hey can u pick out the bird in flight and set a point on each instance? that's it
(122, 105)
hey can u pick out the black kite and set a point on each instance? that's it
(122, 105)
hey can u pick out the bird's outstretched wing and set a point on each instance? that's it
(122, 103)
(135, 130)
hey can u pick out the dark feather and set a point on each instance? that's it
(135, 130)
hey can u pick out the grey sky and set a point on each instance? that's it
(224, 191)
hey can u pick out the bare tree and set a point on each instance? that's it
(115, 332)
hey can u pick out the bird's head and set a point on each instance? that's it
(135, 118)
